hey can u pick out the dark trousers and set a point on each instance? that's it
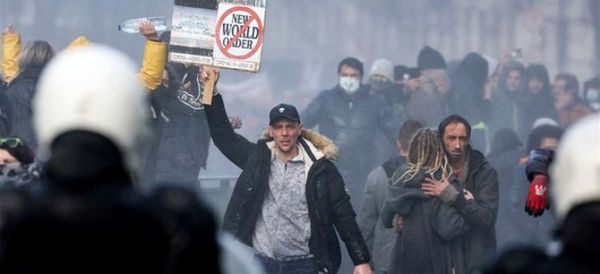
(289, 266)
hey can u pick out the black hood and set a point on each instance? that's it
(539, 71)
(512, 65)
(473, 67)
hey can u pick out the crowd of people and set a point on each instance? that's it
(422, 169)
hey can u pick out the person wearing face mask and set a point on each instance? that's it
(351, 116)
(381, 77)
(591, 93)
(381, 82)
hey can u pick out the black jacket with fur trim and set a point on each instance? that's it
(328, 202)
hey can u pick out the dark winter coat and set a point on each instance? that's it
(5, 112)
(533, 107)
(466, 96)
(20, 94)
(431, 236)
(480, 213)
(352, 123)
(467, 89)
(181, 122)
(329, 207)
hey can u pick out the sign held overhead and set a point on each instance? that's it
(228, 37)
(239, 35)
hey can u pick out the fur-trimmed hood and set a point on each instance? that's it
(318, 143)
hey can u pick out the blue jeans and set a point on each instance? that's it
(289, 266)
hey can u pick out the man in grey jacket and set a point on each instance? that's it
(476, 199)
(380, 240)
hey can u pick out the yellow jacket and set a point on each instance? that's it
(153, 64)
(150, 73)
(11, 49)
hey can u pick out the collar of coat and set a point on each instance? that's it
(310, 143)
(319, 145)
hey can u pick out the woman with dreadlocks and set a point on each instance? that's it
(428, 239)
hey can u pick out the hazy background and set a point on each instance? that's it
(305, 40)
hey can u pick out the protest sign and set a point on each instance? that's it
(239, 35)
(192, 32)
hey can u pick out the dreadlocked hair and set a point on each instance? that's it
(426, 152)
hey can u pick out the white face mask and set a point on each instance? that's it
(592, 95)
(349, 84)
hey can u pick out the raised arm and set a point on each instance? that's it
(155, 57)
(234, 146)
(11, 49)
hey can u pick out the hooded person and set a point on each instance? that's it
(504, 141)
(183, 140)
(537, 101)
(507, 99)
(468, 96)
(430, 58)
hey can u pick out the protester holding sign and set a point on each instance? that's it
(290, 198)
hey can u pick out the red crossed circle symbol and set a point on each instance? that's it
(225, 48)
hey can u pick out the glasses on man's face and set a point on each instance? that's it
(11, 142)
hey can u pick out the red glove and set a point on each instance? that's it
(536, 198)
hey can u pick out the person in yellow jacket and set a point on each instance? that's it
(150, 73)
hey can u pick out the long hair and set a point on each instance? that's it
(426, 152)
(36, 53)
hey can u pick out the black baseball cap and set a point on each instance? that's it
(283, 111)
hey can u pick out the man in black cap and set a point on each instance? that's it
(290, 198)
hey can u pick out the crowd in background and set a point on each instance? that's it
(377, 117)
